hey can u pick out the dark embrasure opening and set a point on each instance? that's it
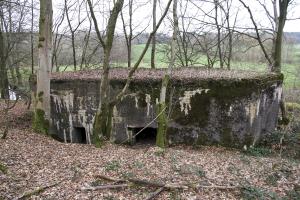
(79, 135)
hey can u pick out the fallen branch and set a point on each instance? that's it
(146, 183)
(165, 186)
(37, 191)
(220, 187)
(156, 193)
(102, 187)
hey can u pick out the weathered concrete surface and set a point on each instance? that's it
(207, 107)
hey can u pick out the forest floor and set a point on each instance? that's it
(34, 166)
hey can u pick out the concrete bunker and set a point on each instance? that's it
(230, 108)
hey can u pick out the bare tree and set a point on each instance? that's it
(72, 29)
(31, 38)
(57, 39)
(128, 36)
(215, 31)
(103, 118)
(42, 99)
(278, 19)
(4, 90)
(161, 139)
(102, 123)
(86, 41)
(129, 27)
(154, 36)
(3, 70)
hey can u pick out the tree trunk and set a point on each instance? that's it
(19, 76)
(31, 39)
(102, 122)
(72, 35)
(103, 119)
(11, 70)
(216, 2)
(4, 94)
(86, 43)
(42, 99)
(154, 36)
(276, 67)
(161, 139)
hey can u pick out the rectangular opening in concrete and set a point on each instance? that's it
(79, 135)
(144, 135)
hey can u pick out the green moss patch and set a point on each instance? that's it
(40, 124)
(3, 168)
(161, 138)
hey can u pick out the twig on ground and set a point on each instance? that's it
(102, 187)
(38, 190)
(160, 185)
(155, 194)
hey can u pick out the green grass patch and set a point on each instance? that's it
(290, 69)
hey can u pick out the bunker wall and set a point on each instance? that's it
(228, 112)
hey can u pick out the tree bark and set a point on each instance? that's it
(161, 139)
(283, 5)
(3, 71)
(154, 36)
(216, 2)
(102, 122)
(103, 118)
(72, 36)
(42, 99)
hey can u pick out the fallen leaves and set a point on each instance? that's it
(35, 161)
(145, 74)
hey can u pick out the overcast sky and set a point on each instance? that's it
(143, 9)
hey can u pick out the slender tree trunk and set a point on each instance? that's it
(19, 76)
(11, 69)
(102, 122)
(161, 139)
(216, 2)
(31, 40)
(3, 71)
(86, 43)
(17, 69)
(72, 36)
(276, 67)
(42, 99)
(103, 118)
(74, 51)
(128, 36)
(154, 36)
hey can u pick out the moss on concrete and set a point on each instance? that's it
(202, 139)
(226, 137)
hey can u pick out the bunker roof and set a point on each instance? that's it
(180, 74)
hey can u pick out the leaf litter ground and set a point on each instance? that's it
(35, 161)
